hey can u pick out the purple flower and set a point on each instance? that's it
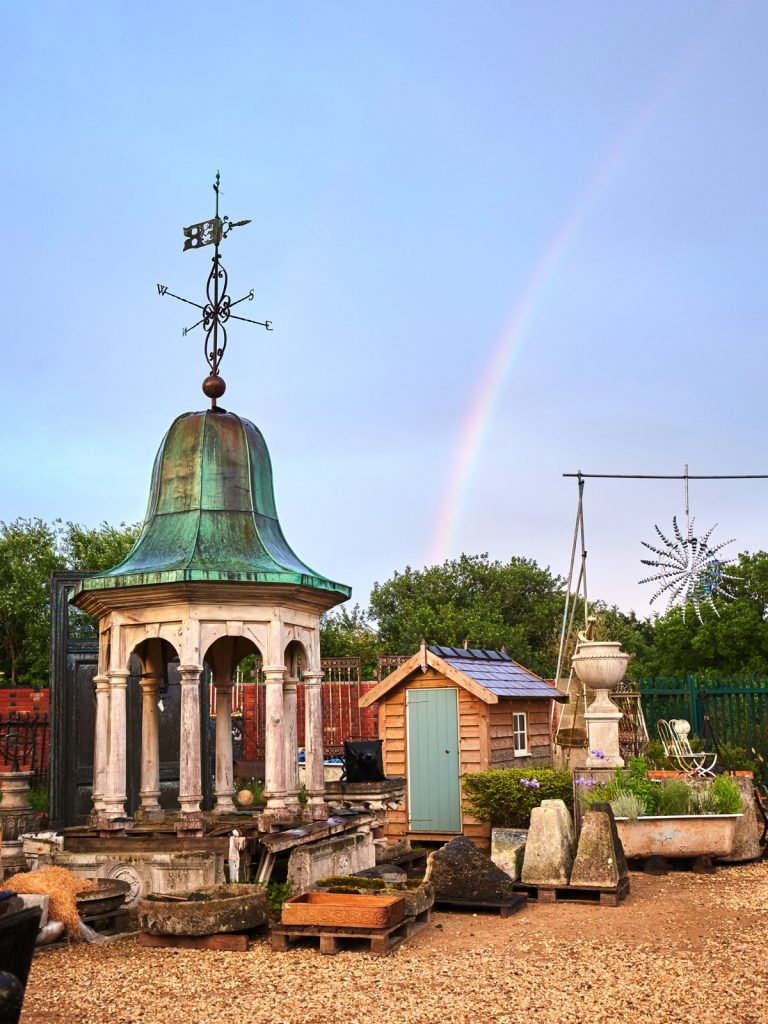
(599, 755)
(530, 783)
(589, 783)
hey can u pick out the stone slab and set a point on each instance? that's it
(508, 850)
(339, 855)
(212, 911)
(746, 845)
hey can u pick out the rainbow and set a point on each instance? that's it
(476, 425)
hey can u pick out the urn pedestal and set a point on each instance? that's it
(601, 666)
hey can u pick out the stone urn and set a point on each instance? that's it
(601, 666)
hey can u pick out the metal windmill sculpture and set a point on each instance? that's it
(691, 570)
(218, 309)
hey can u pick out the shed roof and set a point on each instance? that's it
(488, 674)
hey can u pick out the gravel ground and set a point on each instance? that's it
(682, 948)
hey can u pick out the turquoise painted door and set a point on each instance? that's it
(434, 800)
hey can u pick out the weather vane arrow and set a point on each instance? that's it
(218, 309)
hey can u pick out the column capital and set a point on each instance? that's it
(119, 677)
(274, 670)
(312, 678)
(101, 682)
(190, 673)
(290, 683)
(223, 684)
(151, 683)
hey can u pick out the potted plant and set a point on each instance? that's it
(669, 819)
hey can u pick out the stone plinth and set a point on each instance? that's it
(366, 797)
(340, 855)
(549, 850)
(600, 861)
(508, 850)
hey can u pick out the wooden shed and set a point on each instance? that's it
(447, 711)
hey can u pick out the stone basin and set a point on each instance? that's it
(685, 835)
(417, 894)
(220, 908)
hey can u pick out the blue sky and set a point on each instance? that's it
(406, 167)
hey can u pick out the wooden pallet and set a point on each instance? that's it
(504, 908)
(375, 941)
(569, 894)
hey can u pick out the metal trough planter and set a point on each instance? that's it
(344, 910)
(686, 835)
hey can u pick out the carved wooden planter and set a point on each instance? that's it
(343, 909)
(687, 835)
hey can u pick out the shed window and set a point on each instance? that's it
(520, 732)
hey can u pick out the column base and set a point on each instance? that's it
(150, 812)
(224, 805)
(316, 810)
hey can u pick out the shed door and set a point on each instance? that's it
(434, 800)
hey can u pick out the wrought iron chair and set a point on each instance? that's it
(677, 747)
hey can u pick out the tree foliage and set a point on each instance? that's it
(349, 633)
(30, 550)
(491, 604)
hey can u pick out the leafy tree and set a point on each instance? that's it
(491, 604)
(94, 550)
(28, 555)
(734, 642)
(346, 633)
(30, 550)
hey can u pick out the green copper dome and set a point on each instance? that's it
(211, 514)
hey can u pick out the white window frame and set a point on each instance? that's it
(517, 732)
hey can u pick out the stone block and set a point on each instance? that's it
(508, 850)
(340, 855)
(600, 861)
(745, 843)
(459, 870)
(549, 851)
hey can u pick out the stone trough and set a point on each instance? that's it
(219, 909)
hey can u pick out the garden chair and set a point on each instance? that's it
(677, 747)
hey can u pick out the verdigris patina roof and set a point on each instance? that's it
(211, 514)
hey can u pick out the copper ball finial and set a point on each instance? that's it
(214, 386)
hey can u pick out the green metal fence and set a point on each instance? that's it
(737, 708)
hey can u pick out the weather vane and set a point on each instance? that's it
(218, 309)
(690, 571)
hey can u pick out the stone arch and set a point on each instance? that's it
(295, 659)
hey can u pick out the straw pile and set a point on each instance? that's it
(61, 886)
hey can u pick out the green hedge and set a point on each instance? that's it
(501, 797)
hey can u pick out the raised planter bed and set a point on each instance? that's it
(344, 910)
(688, 835)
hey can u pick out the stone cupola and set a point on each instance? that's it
(210, 579)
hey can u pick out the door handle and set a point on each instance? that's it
(447, 750)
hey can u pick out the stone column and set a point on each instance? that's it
(150, 751)
(115, 791)
(290, 742)
(274, 757)
(313, 744)
(190, 774)
(100, 743)
(225, 778)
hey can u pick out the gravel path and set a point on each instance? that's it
(682, 949)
